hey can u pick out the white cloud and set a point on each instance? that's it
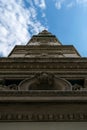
(43, 15)
(40, 3)
(58, 3)
(83, 2)
(70, 5)
(16, 24)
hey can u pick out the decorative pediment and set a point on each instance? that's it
(45, 81)
(42, 81)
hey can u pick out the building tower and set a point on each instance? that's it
(43, 81)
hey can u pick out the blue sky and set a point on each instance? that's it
(20, 19)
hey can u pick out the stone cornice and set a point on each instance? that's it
(35, 106)
(43, 117)
(24, 59)
(67, 64)
(43, 96)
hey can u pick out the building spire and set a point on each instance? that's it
(44, 38)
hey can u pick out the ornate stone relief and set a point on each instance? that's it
(43, 117)
(42, 81)
(77, 87)
(9, 87)
(45, 81)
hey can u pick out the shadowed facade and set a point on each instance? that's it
(43, 81)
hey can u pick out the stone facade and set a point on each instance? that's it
(43, 81)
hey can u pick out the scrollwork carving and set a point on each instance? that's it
(12, 87)
(76, 87)
(45, 81)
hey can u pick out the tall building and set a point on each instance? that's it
(43, 81)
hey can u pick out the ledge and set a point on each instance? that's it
(43, 96)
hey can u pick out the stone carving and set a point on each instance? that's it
(9, 87)
(42, 81)
(2, 84)
(45, 81)
(77, 87)
(12, 87)
(42, 117)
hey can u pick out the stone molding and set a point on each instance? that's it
(57, 97)
(24, 59)
(48, 117)
(43, 93)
